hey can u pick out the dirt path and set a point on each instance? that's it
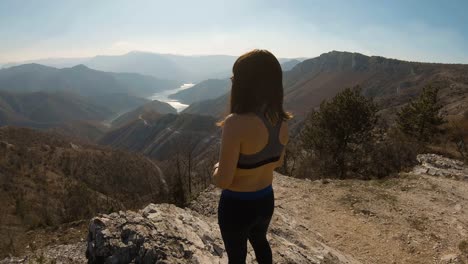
(411, 219)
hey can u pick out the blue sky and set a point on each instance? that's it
(425, 30)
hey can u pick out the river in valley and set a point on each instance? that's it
(160, 96)
(163, 97)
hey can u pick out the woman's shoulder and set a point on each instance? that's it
(234, 117)
(233, 120)
(245, 117)
(238, 122)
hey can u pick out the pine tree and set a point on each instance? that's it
(421, 118)
(335, 132)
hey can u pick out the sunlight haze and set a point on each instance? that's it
(415, 30)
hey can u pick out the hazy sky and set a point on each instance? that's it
(422, 30)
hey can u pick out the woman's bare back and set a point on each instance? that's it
(254, 137)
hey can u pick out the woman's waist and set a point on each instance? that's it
(248, 195)
(251, 182)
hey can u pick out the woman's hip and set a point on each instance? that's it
(242, 209)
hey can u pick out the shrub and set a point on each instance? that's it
(392, 153)
(293, 156)
(463, 247)
(458, 134)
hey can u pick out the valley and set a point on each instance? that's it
(165, 96)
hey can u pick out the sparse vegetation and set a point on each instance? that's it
(457, 132)
(40, 259)
(293, 156)
(463, 247)
(345, 137)
(46, 180)
(189, 174)
(184, 161)
(390, 151)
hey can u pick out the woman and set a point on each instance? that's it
(253, 140)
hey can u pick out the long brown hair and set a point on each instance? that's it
(257, 86)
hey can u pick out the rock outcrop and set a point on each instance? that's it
(436, 165)
(160, 233)
(165, 233)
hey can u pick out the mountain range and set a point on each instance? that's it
(80, 80)
(188, 69)
(117, 92)
(391, 82)
(68, 99)
(137, 123)
(205, 90)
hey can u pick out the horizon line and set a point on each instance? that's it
(302, 58)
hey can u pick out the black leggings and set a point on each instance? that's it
(241, 220)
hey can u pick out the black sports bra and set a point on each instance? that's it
(270, 153)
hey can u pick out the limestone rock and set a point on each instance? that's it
(160, 233)
(451, 259)
(165, 233)
(436, 165)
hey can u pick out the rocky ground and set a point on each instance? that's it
(417, 217)
(167, 234)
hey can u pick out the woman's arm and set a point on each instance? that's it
(284, 139)
(229, 154)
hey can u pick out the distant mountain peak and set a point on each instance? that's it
(80, 67)
(344, 60)
(337, 53)
(342, 52)
(140, 52)
(31, 66)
